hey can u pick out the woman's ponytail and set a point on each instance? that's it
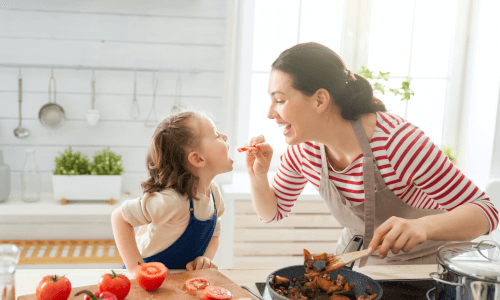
(314, 66)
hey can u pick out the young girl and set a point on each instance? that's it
(180, 210)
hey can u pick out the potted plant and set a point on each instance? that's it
(448, 151)
(76, 178)
(379, 85)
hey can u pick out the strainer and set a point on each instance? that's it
(51, 115)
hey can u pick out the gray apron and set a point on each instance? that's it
(379, 205)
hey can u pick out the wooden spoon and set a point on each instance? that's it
(334, 262)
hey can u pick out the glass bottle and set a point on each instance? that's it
(9, 257)
(31, 181)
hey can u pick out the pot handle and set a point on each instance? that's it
(491, 242)
(477, 290)
(436, 276)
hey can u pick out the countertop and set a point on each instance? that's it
(27, 280)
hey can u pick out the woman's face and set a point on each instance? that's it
(291, 108)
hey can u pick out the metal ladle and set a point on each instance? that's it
(21, 132)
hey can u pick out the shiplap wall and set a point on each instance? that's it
(174, 34)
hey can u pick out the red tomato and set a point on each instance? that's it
(53, 287)
(195, 284)
(248, 148)
(151, 275)
(216, 293)
(117, 284)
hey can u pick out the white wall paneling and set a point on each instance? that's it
(184, 35)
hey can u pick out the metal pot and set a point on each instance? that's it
(468, 271)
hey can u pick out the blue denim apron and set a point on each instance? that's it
(191, 244)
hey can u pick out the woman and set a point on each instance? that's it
(379, 175)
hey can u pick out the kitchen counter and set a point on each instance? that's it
(27, 280)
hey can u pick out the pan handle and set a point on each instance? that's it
(252, 292)
(354, 245)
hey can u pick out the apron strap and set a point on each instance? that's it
(363, 141)
(369, 185)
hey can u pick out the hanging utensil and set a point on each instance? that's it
(135, 112)
(177, 97)
(93, 114)
(21, 132)
(52, 115)
(154, 122)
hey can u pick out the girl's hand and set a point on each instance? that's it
(398, 234)
(201, 262)
(258, 161)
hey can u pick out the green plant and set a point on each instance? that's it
(106, 163)
(71, 163)
(448, 151)
(378, 83)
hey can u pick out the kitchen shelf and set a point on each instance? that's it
(49, 208)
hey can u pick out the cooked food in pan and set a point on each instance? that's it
(312, 286)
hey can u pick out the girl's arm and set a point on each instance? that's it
(125, 241)
(212, 247)
(205, 261)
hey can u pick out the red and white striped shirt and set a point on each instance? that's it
(412, 166)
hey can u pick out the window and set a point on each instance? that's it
(401, 37)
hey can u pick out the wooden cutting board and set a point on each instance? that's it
(170, 289)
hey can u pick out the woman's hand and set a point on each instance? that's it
(258, 161)
(201, 262)
(398, 234)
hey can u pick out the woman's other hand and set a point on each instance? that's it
(398, 234)
(258, 161)
(201, 262)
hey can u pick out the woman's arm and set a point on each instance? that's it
(464, 223)
(258, 162)
(422, 166)
(125, 241)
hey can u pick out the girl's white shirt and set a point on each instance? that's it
(167, 215)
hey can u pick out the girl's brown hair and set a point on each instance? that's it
(166, 161)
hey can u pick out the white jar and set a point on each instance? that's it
(4, 179)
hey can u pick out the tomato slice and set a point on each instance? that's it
(248, 148)
(195, 284)
(216, 293)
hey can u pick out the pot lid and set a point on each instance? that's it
(479, 260)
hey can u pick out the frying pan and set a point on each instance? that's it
(360, 281)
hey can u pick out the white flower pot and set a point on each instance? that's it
(87, 187)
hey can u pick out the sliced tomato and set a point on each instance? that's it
(248, 148)
(195, 284)
(216, 293)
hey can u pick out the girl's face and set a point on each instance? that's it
(214, 148)
(292, 109)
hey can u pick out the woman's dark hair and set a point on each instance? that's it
(314, 66)
(166, 161)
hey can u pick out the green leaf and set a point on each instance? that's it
(365, 72)
(69, 163)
